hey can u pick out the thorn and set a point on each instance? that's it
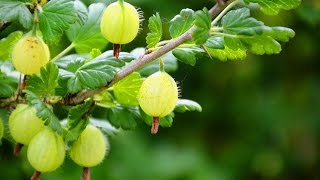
(155, 125)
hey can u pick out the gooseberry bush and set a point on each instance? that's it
(63, 100)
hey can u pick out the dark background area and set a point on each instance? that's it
(260, 118)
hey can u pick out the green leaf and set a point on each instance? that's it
(105, 126)
(244, 32)
(155, 27)
(8, 85)
(16, 11)
(78, 113)
(203, 24)
(46, 83)
(56, 16)
(187, 55)
(78, 73)
(44, 112)
(227, 53)
(184, 105)
(272, 7)
(181, 22)
(126, 90)
(239, 22)
(7, 44)
(104, 99)
(87, 36)
(215, 42)
(123, 117)
(77, 120)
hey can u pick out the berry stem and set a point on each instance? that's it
(85, 173)
(155, 125)
(64, 52)
(161, 65)
(17, 149)
(36, 175)
(116, 50)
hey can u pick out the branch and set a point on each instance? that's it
(81, 96)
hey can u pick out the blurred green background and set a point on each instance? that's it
(260, 119)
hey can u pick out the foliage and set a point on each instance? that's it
(91, 68)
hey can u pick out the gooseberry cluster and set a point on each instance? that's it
(47, 149)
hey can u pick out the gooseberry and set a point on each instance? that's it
(158, 96)
(24, 124)
(120, 23)
(30, 54)
(46, 151)
(90, 148)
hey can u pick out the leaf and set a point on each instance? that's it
(44, 112)
(16, 11)
(87, 36)
(187, 55)
(81, 73)
(78, 113)
(125, 118)
(77, 120)
(8, 85)
(7, 44)
(244, 32)
(126, 90)
(181, 22)
(56, 17)
(272, 7)
(46, 83)
(215, 42)
(104, 99)
(184, 105)
(203, 24)
(227, 53)
(239, 22)
(155, 34)
(105, 126)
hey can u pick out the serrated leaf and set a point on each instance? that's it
(16, 11)
(125, 118)
(126, 90)
(239, 22)
(104, 99)
(184, 105)
(203, 24)
(78, 113)
(46, 83)
(8, 85)
(181, 22)
(215, 42)
(7, 44)
(227, 53)
(272, 7)
(87, 36)
(44, 112)
(56, 16)
(243, 32)
(187, 55)
(155, 28)
(73, 133)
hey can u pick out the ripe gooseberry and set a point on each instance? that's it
(24, 124)
(158, 96)
(89, 149)
(120, 24)
(46, 151)
(30, 54)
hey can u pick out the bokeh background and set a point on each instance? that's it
(260, 118)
